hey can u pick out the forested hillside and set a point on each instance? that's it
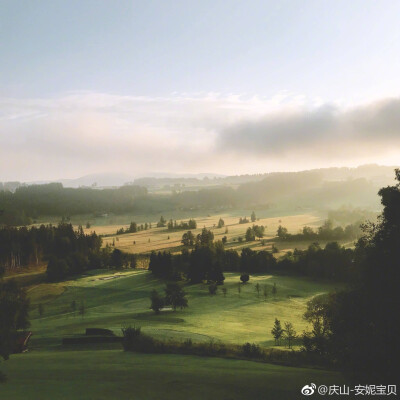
(314, 189)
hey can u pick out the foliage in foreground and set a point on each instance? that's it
(135, 340)
(359, 327)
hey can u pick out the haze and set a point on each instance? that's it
(188, 87)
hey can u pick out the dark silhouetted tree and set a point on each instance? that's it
(277, 331)
(14, 306)
(175, 296)
(157, 302)
(289, 334)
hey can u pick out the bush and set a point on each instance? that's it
(135, 340)
(251, 350)
(244, 278)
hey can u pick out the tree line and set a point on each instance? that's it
(202, 259)
(67, 251)
(324, 232)
(21, 205)
(28, 203)
(134, 227)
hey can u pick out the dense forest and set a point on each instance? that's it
(67, 252)
(23, 204)
(29, 202)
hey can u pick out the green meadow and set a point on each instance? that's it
(112, 374)
(114, 300)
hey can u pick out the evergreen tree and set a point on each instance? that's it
(250, 236)
(162, 222)
(277, 331)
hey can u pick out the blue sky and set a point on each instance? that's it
(173, 76)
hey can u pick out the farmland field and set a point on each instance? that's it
(163, 239)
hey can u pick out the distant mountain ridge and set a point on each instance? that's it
(376, 173)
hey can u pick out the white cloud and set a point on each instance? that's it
(85, 132)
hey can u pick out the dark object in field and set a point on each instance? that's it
(99, 332)
(94, 335)
(91, 339)
(21, 342)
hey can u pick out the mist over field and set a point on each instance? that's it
(140, 136)
(199, 199)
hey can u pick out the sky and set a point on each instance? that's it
(230, 87)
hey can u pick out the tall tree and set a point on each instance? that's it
(13, 315)
(289, 334)
(277, 331)
(365, 321)
(175, 296)
(157, 302)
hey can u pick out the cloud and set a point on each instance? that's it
(84, 132)
(325, 131)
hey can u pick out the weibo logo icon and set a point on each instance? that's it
(308, 390)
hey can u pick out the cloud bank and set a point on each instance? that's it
(365, 131)
(84, 132)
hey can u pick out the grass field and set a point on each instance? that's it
(112, 374)
(113, 300)
(120, 299)
(117, 299)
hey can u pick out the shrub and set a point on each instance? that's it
(135, 340)
(251, 350)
